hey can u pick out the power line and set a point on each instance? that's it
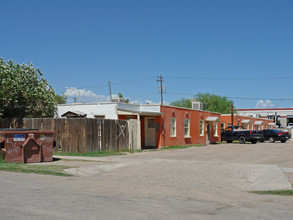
(229, 78)
(248, 98)
(106, 83)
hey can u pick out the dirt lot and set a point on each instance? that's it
(210, 182)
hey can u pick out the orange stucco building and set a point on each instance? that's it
(177, 126)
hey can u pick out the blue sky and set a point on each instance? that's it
(239, 49)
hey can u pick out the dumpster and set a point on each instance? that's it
(27, 145)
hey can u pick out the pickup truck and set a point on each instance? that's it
(233, 133)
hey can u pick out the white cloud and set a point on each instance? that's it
(264, 104)
(84, 95)
(73, 95)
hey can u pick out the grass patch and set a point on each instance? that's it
(288, 192)
(56, 170)
(180, 147)
(90, 154)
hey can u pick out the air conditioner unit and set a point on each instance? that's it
(120, 100)
(197, 105)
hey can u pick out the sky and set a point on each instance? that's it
(239, 49)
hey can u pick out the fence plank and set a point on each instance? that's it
(83, 134)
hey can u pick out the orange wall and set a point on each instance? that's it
(195, 116)
(237, 119)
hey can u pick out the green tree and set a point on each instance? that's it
(184, 103)
(61, 99)
(121, 96)
(24, 92)
(210, 102)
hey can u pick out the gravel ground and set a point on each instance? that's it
(210, 182)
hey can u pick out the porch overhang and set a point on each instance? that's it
(212, 119)
(245, 121)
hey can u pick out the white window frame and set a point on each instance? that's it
(173, 127)
(201, 127)
(222, 126)
(187, 134)
(216, 129)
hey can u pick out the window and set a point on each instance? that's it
(186, 128)
(222, 126)
(173, 127)
(201, 128)
(216, 129)
(151, 123)
(245, 125)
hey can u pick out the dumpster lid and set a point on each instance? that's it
(17, 129)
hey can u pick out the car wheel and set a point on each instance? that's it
(242, 140)
(253, 142)
(271, 140)
(229, 141)
(283, 141)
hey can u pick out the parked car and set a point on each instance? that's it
(273, 135)
(233, 133)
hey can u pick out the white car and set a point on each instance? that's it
(290, 125)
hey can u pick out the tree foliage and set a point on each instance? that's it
(121, 96)
(184, 103)
(24, 92)
(211, 102)
(61, 99)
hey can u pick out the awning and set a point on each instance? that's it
(245, 121)
(272, 123)
(258, 122)
(212, 119)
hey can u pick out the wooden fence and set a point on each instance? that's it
(84, 134)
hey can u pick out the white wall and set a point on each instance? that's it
(139, 108)
(109, 110)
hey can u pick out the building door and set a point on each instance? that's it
(150, 131)
(208, 132)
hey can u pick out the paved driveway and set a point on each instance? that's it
(208, 182)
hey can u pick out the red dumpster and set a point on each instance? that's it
(27, 145)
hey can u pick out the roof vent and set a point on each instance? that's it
(197, 105)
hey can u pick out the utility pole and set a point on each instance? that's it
(232, 116)
(162, 89)
(160, 79)
(110, 91)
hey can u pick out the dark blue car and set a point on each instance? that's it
(273, 135)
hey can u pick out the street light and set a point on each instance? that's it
(77, 90)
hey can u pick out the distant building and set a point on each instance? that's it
(281, 116)
(250, 123)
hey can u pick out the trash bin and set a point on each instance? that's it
(27, 145)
